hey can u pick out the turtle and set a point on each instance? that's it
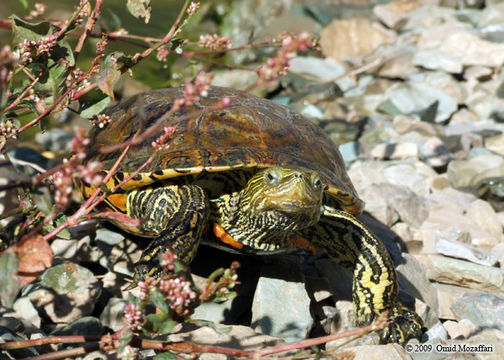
(252, 177)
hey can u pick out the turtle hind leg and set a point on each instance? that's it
(375, 289)
(176, 215)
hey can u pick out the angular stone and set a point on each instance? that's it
(477, 72)
(233, 336)
(495, 143)
(400, 66)
(459, 330)
(447, 295)
(420, 99)
(484, 215)
(437, 332)
(483, 309)
(26, 311)
(395, 151)
(326, 69)
(237, 78)
(273, 293)
(394, 14)
(434, 59)
(404, 124)
(87, 325)
(353, 37)
(435, 153)
(71, 292)
(445, 220)
(463, 273)
(462, 200)
(463, 251)
(470, 49)
(379, 352)
(413, 279)
(112, 315)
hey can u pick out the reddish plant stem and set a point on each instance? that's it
(377, 325)
(76, 95)
(90, 204)
(22, 95)
(89, 27)
(166, 39)
(21, 344)
(47, 111)
(189, 348)
(70, 353)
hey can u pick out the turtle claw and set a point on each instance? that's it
(404, 324)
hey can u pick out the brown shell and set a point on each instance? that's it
(250, 132)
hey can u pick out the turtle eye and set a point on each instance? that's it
(272, 177)
(317, 184)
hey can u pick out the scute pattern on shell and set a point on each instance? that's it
(251, 132)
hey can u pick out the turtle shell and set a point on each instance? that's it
(251, 132)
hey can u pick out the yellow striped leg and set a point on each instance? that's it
(347, 241)
(177, 215)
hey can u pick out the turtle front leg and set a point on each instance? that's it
(175, 216)
(347, 241)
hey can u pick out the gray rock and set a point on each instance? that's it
(378, 352)
(350, 151)
(353, 37)
(462, 200)
(483, 309)
(109, 237)
(421, 99)
(54, 139)
(112, 315)
(69, 292)
(477, 72)
(344, 320)
(326, 69)
(236, 78)
(26, 311)
(434, 59)
(274, 292)
(463, 273)
(434, 152)
(6, 335)
(389, 203)
(395, 14)
(484, 215)
(87, 325)
(400, 66)
(437, 332)
(413, 279)
(463, 251)
(213, 312)
(495, 143)
(459, 330)
(447, 295)
(395, 151)
(232, 336)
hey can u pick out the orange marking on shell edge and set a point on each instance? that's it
(118, 201)
(299, 242)
(223, 236)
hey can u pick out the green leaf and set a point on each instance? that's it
(9, 286)
(24, 30)
(160, 323)
(24, 3)
(108, 77)
(158, 300)
(139, 9)
(165, 356)
(93, 103)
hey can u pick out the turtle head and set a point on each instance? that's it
(292, 193)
